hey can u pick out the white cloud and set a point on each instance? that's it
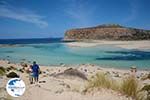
(21, 14)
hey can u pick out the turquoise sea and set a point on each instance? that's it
(56, 53)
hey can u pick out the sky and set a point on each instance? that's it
(52, 18)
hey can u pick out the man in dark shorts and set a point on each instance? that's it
(35, 70)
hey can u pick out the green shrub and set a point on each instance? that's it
(12, 75)
(2, 70)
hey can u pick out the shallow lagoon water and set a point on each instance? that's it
(58, 53)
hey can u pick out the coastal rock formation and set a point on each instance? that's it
(107, 32)
(73, 72)
(12, 75)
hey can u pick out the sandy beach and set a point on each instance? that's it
(56, 85)
(139, 45)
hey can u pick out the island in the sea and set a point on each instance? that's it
(107, 32)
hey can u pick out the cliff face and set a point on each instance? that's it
(107, 32)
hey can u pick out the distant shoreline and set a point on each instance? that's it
(139, 45)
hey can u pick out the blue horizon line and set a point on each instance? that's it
(31, 38)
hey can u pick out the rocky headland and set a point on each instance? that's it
(107, 32)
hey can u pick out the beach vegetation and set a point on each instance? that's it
(2, 71)
(101, 80)
(145, 77)
(12, 75)
(144, 93)
(130, 86)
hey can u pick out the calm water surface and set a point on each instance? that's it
(57, 52)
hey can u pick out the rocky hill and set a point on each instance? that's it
(107, 32)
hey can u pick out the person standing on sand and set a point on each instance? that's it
(30, 74)
(35, 70)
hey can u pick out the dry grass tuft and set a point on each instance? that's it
(130, 86)
(101, 80)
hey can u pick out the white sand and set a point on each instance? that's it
(141, 45)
